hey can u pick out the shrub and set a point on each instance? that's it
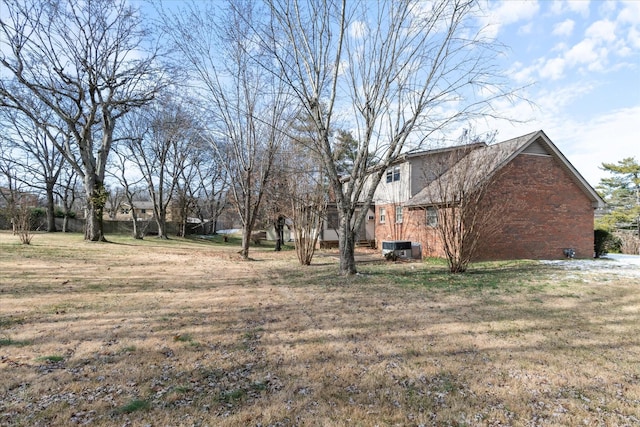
(604, 242)
(59, 213)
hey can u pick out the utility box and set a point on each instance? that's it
(400, 248)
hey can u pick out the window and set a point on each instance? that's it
(398, 214)
(332, 220)
(432, 216)
(393, 174)
(383, 215)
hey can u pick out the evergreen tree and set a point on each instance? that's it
(621, 191)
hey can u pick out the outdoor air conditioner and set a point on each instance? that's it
(401, 248)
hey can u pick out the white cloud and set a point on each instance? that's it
(630, 12)
(553, 102)
(634, 38)
(564, 28)
(607, 7)
(506, 13)
(589, 142)
(560, 47)
(581, 7)
(582, 53)
(521, 74)
(358, 30)
(602, 31)
(552, 69)
(525, 29)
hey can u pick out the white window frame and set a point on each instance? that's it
(393, 174)
(398, 214)
(383, 215)
(432, 216)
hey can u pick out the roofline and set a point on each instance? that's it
(596, 200)
(412, 154)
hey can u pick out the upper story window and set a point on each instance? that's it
(393, 174)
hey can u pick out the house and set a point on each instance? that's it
(122, 211)
(328, 237)
(540, 206)
(18, 198)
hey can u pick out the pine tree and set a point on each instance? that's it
(621, 191)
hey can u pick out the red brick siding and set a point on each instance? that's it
(413, 228)
(542, 212)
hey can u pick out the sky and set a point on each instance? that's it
(581, 60)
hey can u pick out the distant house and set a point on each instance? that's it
(18, 198)
(544, 205)
(122, 212)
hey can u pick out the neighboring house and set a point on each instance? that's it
(122, 212)
(20, 198)
(544, 205)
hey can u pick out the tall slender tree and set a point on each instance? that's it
(246, 106)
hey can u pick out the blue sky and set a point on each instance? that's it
(582, 60)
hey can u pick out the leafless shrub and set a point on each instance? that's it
(466, 214)
(630, 242)
(22, 224)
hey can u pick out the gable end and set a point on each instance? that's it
(537, 149)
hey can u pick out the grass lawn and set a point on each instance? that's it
(184, 333)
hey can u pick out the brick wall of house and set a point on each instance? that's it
(413, 228)
(543, 212)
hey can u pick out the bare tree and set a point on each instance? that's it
(247, 105)
(402, 71)
(40, 161)
(131, 186)
(67, 190)
(308, 202)
(211, 192)
(9, 186)
(460, 200)
(157, 141)
(307, 187)
(85, 62)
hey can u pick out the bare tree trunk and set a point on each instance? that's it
(246, 241)
(51, 214)
(347, 237)
(96, 199)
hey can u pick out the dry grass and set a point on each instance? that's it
(169, 333)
